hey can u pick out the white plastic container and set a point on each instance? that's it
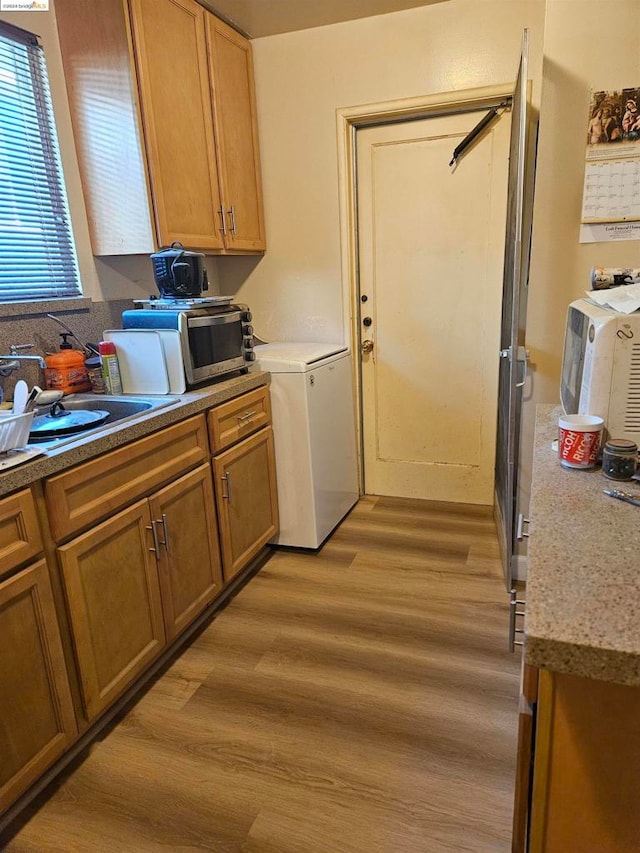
(14, 430)
(579, 440)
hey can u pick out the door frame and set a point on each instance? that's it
(349, 120)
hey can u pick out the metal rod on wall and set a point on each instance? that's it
(477, 130)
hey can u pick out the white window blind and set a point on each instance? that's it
(37, 255)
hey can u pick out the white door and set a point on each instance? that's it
(431, 246)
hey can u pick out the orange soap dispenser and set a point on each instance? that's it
(66, 370)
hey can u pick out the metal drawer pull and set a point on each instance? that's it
(163, 522)
(226, 479)
(152, 528)
(247, 416)
(514, 613)
(223, 224)
(520, 534)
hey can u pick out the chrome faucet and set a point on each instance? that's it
(11, 362)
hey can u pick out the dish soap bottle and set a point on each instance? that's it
(66, 370)
(110, 367)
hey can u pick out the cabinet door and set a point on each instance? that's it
(186, 535)
(236, 136)
(111, 582)
(246, 499)
(36, 711)
(171, 58)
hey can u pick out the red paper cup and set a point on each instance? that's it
(579, 438)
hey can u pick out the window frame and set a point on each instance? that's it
(56, 244)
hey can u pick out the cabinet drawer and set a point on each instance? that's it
(239, 418)
(19, 532)
(91, 492)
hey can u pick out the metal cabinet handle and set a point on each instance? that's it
(514, 614)
(163, 522)
(226, 479)
(247, 416)
(223, 224)
(232, 216)
(152, 528)
(520, 534)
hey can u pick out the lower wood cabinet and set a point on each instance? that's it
(184, 520)
(154, 541)
(586, 762)
(136, 581)
(113, 594)
(577, 769)
(37, 722)
(246, 499)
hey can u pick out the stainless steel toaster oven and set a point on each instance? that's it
(215, 339)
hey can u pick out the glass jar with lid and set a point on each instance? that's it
(619, 459)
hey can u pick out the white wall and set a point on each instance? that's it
(302, 78)
(588, 44)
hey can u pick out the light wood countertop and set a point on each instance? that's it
(583, 587)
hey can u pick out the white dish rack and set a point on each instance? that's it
(14, 430)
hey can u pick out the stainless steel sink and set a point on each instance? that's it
(121, 409)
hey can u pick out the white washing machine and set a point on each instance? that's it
(315, 437)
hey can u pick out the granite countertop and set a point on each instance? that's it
(87, 447)
(583, 590)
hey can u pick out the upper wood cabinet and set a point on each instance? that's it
(236, 132)
(171, 58)
(157, 163)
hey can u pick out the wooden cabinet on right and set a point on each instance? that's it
(584, 768)
(177, 131)
(246, 498)
(244, 472)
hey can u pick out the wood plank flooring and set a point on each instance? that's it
(355, 700)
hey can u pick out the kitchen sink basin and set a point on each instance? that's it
(121, 410)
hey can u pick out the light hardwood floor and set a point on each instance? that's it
(357, 700)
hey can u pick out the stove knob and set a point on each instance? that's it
(246, 316)
(248, 342)
(249, 356)
(247, 330)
